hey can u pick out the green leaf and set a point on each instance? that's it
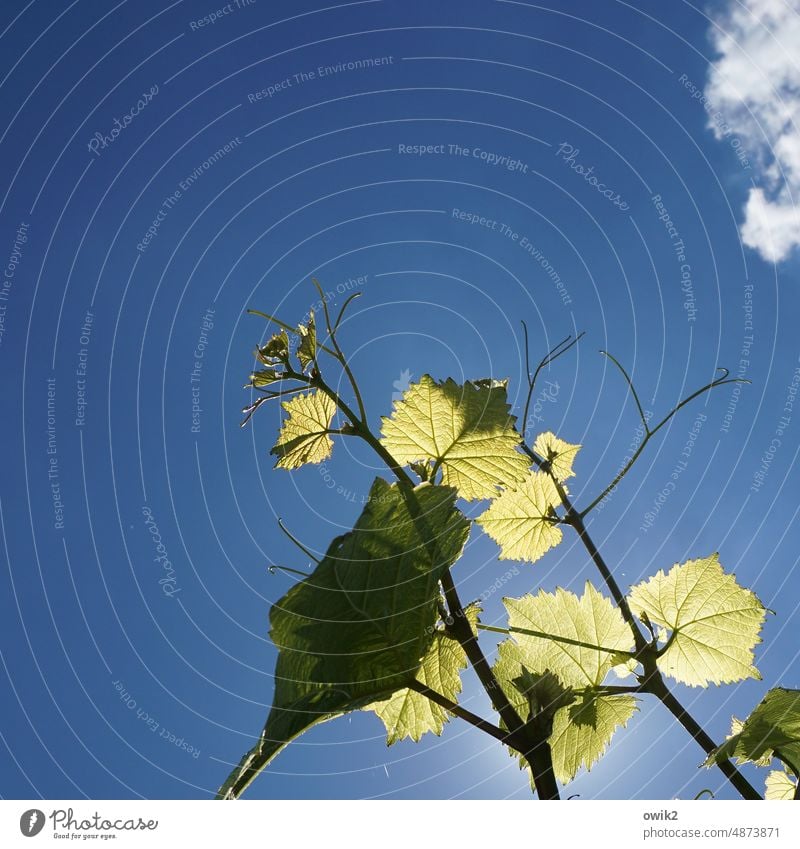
(558, 453)
(466, 430)
(779, 785)
(264, 377)
(276, 349)
(582, 730)
(358, 628)
(545, 695)
(771, 730)
(591, 619)
(304, 436)
(307, 350)
(714, 622)
(520, 520)
(407, 713)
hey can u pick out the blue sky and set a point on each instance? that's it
(233, 175)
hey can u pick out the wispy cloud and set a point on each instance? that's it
(755, 84)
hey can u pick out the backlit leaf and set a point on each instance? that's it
(591, 619)
(558, 453)
(307, 349)
(714, 623)
(407, 713)
(779, 785)
(357, 629)
(520, 520)
(275, 350)
(771, 730)
(304, 436)
(466, 430)
(583, 729)
(265, 376)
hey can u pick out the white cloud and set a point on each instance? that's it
(755, 85)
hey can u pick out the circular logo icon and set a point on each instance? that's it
(31, 822)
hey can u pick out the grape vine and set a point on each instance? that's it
(379, 624)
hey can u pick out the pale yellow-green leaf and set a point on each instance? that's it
(779, 785)
(520, 520)
(307, 349)
(304, 435)
(625, 669)
(714, 623)
(408, 713)
(558, 453)
(582, 730)
(771, 730)
(465, 430)
(591, 619)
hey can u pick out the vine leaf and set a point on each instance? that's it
(559, 454)
(591, 619)
(355, 630)
(779, 785)
(583, 729)
(521, 521)
(407, 713)
(307, 349)
(304, 435)
(264, 377)
(466, 430)
(714, 622)
(276, 350)
(771, 730)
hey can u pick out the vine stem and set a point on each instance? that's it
(572, 517)
(557, 638)
(649, 432)
(652, 682)
(535, 750)
(462, 713)
(655, 684)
